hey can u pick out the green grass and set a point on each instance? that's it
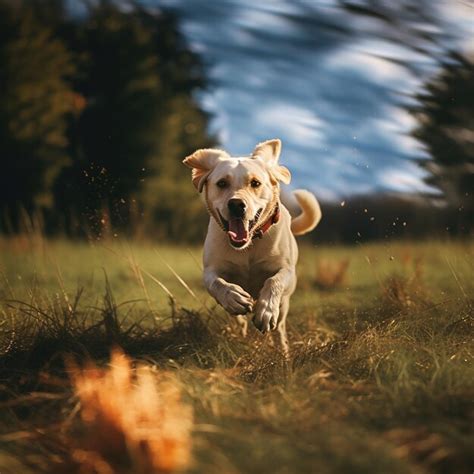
(380, 377)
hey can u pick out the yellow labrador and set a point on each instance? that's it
(250, 251)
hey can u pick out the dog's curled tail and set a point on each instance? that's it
(310, 215)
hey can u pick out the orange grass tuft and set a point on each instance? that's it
(406, 291)
(330, 274)
(132, 420)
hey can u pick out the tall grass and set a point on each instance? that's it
(380, 377)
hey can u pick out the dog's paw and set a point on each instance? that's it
(266, 314)
(236, 300)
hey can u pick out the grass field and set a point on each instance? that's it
(380, 378)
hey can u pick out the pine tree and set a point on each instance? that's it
(445, 112)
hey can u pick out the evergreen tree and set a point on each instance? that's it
(445, 113)
(35, 100)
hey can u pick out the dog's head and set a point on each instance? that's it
(241, 193)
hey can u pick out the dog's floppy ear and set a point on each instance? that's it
(202, 162)
(269, 153)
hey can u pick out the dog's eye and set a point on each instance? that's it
(255, 183)
(222, 183)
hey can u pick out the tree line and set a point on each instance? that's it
(96, 114)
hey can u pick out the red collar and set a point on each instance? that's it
(273, 219)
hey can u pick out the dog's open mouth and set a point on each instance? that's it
(239, 230)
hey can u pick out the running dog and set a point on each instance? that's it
(250, 252)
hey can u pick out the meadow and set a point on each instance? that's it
(380, 377)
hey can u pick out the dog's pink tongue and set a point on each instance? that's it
(237, 231)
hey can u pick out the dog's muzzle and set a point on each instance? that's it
(237, 208)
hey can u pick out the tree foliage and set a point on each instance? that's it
(139, 121)
(106, 136)
(35, 101)
(117, 131)
(445, 113)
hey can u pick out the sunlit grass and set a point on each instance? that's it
(380, 377)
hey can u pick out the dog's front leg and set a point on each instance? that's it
(234, 299)
(268, 304)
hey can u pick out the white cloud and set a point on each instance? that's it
(396, 126)
(364, 61)
(296, 123)
(409, 180)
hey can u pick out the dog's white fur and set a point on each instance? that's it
(259, 276)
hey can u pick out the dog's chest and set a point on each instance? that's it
(248, 271)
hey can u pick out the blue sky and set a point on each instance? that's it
(320, 79)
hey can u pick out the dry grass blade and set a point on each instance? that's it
(458, 282)
(161, 285)
(137, 270)
(181, 281)
(31, 398)
(109, 314)
(138, 275)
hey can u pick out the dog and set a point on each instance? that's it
(250, 252)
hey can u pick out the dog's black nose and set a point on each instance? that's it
(237, 207)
